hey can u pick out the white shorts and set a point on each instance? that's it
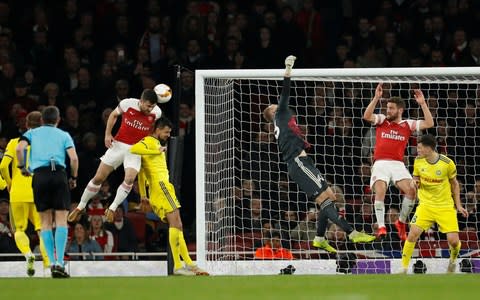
(119, 154)
(389, 171)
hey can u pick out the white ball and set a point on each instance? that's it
(164, 92)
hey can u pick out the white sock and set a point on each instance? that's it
(380, 213)
(122, 193)
(407, 207)
(319, 238)
(88, 193)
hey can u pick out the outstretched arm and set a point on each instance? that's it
(368, 115)
(428, 122)
(283, 103)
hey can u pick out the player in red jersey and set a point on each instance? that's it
(392, 134)
(138, 117)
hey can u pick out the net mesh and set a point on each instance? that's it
(248, 194)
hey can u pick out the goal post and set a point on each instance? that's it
(243, 191)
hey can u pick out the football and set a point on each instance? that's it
(164, 92)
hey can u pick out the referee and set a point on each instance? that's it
(48, 146)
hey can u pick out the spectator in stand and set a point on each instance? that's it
(472, 58)
(185, 119)
(123, 233)
(51, 96)
(272, 248)
(471, 203)
(81, 243)
(7, 242)
(306, 229)
(99, 234)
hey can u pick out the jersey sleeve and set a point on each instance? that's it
(414, 125)
(142, 183)
(452, 170)
(125, 104)
(285, 96)
(6, 160)
(379, 119)
(27, 136)
(143, 147)
(68, 141)
(157, 111)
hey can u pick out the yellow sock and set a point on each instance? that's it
(407, 253)
(173, 239)
(23, 242)
(454, 251)
(184, 250)
(43, 251)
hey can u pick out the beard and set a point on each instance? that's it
(392, 117)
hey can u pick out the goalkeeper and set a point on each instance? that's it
(301, 168)
(162, 194)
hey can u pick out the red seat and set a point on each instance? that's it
(428, 248)
(138, 222)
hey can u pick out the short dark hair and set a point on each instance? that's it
(163, 122)
(398, 101)
(427, 140)
(150, 96)
(50, 115)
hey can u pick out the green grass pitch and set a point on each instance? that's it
(295, 287)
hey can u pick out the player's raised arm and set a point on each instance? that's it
(284, 97)
(368, 115)
(428, 122)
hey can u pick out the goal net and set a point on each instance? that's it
(245, 198)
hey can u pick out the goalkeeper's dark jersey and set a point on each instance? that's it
(290, 138)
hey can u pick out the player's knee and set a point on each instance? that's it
(454, 241)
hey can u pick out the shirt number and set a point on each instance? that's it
(276, 131)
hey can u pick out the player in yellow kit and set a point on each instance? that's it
(21, 198)
(162, 200)
(435, 176)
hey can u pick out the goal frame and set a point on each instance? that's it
(277, 74)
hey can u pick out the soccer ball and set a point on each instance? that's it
(164, 92)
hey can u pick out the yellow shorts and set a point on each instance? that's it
(163, 199)
(445, 217)
(21, 213)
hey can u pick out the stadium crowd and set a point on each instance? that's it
(86, 56)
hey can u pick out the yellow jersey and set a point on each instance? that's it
(435, 189)
(20, 186)
(154, 162)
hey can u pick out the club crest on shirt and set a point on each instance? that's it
(438, 172)
(150, 119)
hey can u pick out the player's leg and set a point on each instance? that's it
(19, 212)
(421, 221)
(92, 188)
(46, 218)
(409, 245)
(404, 182)
(34, 218)
(310, 180)
(447, 221)
(131, 163)
(380, 189)
(381, 175)
(60, 195)
(319, 241)
(41, 197)
(454, 245)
